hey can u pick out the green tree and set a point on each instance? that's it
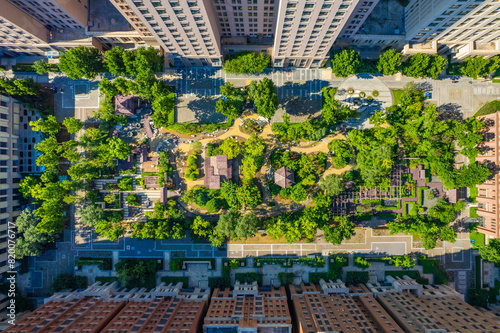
(247, 63)
(389, 62)
(114, 61)
(148, 60)
(201, 227)
(91, 215)
(68, 281)
(254, 146)
(227, 224)
(226, 107)
(330, 106)
(49, 125)
(163, 104)
(82, 62)
(479, 67)
(346, 62)
(265, 98)
(228, 90)
(246, 226)
(343, 229)
(72, 124)
(341, 153)
(229, 192)
(30, 242)
(471, 175)
(436, 66)
(20, 87)
(249, 195)
(332, 184)
(416, 66)
(41, 67)
(118, 148)
(230, 147)
(491, 252)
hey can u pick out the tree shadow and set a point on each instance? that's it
(204, 110)
(450, 111)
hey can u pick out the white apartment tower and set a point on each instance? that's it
(186, 29)
(306, 29)
(294, 32)
(464, 27)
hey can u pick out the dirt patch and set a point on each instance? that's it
(359, 237)
(381, 232)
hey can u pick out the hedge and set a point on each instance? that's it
(176, 279)
(249, 277)
(357, 277)
(488, 108)
(194, 128)
(104, 264)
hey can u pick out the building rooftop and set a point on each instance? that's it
(217, 169)
(103, 16)
(124, 105)
(284, 177)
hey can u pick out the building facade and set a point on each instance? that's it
(488, 192)
(306, 30)
(56, 14)
(186, 30)
(10, 196)
(460, 27)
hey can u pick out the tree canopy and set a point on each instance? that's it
(389, 62)
(247, 63)
(265, 98)
(82, 62)
(479, 67)
(346, 62)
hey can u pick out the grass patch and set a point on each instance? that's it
(194, 128)
(388, 215)
(473, 193)
(176, 279)
(473, 212)
(105, 264)
(488, 108)
(421, 191)
(335, 270)
(433, 266)
(249, 277)
(496, 80)
(478, 239)
(289, 262)
(397, 93)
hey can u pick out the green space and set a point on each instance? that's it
(249, 278)
(102, 263)
(488, 108)
(397, 93)
(106, 279)
(335, 270)
(289, 262)
(433, 266)
(476, 237)
(176, 279)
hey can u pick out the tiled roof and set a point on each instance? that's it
(284, 177)
(217, 169)
(124, 105)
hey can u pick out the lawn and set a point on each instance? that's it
(433, 266)
(473, 212)
(488, 108)
(473, 193)
(397, 93)
(476, 236)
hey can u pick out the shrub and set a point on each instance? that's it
(132, 199)
(126, 184)
(375, 93)
(361, 263)
(286, 278)
(246, 63)
(362, 94)
(357, 277)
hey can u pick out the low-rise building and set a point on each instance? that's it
(284, 177)
(217, 169)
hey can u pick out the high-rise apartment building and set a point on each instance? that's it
(20, 33)
(186, 30)
(488, 192)
(462, 27)
(56, 14)
(9, 171)
(248, 308)
(306, 30)
(295, 33)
